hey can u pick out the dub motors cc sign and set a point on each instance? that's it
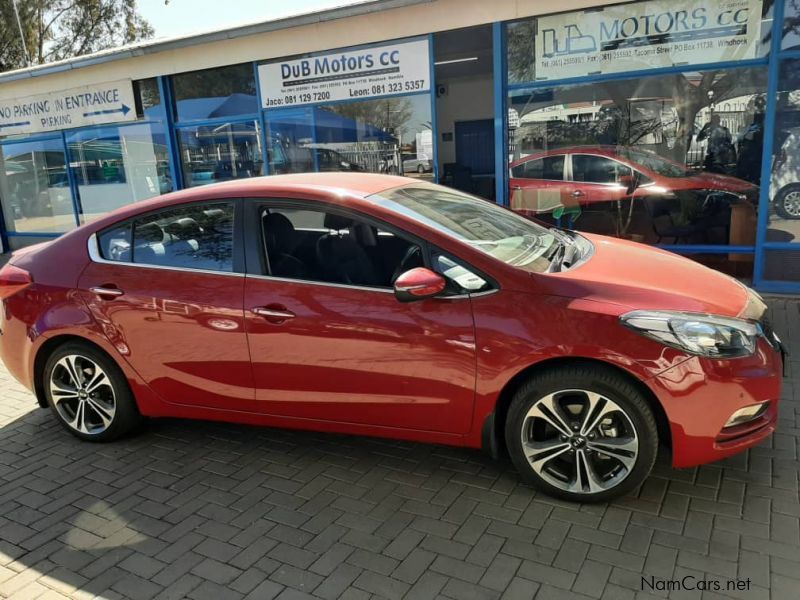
(646, 35)
(402, 68)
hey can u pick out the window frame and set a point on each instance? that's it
(238, 270)
(255, 248)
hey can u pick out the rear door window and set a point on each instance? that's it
(549, 167)
(199, 236)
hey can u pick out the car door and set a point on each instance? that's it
(167, 288)
(329, 340)
(537, 185)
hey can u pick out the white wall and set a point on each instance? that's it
(467, 99)
(437, 15)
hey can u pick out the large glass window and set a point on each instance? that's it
(290, 138)
(668, 159)
(791, 25)
(35, 189)
(784, 214)
(214, 93)
(220, 152)
(386, 135)
(114, 166)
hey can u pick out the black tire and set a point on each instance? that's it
(611, 386)
(780, 200)
(125, 416)
(420, 169)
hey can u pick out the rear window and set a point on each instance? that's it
(189, 237)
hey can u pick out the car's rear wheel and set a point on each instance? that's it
(88, 393)
(787, 203)
(581, 433)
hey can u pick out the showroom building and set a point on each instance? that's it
(669, 122)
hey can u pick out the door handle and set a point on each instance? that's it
(577, 194)
(275, 314)
(106, 291)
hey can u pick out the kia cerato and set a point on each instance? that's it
(379, 305)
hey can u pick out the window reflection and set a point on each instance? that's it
(669, 159)
(291, 133)
(387, 135)
(114, 166)
(791, 25)
(35, 189)
(213, 153)
(784, 219)
(213, 93)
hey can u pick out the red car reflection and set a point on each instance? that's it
(379, 305)
(587, 177)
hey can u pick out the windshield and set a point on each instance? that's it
(480, 223)
(655, 163)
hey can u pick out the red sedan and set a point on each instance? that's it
(379, 305)
(589, 177)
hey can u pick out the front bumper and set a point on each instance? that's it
(700, 395)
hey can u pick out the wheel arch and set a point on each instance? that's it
(493, 433)
(46, 350)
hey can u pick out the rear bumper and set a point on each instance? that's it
(15, 345)
(700, 395)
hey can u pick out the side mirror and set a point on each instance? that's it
(418, 284)
(629, 182)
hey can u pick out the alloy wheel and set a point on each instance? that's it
(82, 394)
(791, 203)
(579, 441)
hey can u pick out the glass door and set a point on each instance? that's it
(36, 192)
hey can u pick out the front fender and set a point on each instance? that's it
(516, 331)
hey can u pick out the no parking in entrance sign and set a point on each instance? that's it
(87, 105)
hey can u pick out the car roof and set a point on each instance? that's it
(610, 151)
(330, 186)
(359, 185)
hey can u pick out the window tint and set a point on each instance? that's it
(115, 243)
(313, 245)
(190, 237)
(550, 167)
(597, 169)
(218, 92)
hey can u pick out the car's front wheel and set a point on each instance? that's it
(88, 393)
(787, 202)
(581, 433)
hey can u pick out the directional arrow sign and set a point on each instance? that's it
(63, 109)
(109, 111)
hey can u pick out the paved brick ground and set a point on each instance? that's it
(210, 511)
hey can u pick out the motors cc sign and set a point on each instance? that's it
(402, 68)
(646, 35)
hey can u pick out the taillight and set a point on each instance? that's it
(13, 280)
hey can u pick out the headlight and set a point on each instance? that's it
(701, 334)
